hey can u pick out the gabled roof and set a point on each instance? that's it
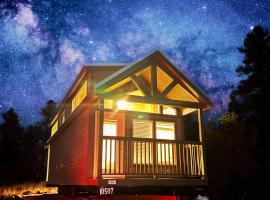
(180, 83)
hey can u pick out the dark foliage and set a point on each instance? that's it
(22, 153)
(47, 113)
(229, 161)
(11, 136)
(250, 101)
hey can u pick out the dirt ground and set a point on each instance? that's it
(115, 197)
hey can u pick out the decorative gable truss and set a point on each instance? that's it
(153, 80)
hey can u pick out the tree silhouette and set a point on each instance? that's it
(229, 161)
(22, 153)
(47, 113)
(250, 101)
(10, 147)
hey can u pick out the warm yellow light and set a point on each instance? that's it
(122, 105)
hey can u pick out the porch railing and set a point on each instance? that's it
(151, 157)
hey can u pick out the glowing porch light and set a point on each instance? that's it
(122, 105)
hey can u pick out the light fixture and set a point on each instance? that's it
(122, 105)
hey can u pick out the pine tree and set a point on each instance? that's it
(47, 113)
(251, 99)
(10, 147)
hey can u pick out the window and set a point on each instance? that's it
(108, 147)
(169, 110)
(143, 152)
(54, 128)
(62, 118)
(139, 107)
(142, 128)
(110, 128)
(108, 103)
(132, 106)
(165, 131)
(79, 97)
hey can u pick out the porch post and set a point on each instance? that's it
(202, 141)
(101, 121)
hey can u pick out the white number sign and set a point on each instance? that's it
(106, 191)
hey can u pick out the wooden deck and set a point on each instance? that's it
(127, 157)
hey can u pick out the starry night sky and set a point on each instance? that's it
(45, 43)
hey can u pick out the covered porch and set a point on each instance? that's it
(140, 113)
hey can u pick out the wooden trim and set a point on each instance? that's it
(48, 163)
(200, 124)
(128, 87)
(185, 81)
(91, 127)
(152, 100)
(171, 72)
(101, 120)
(140, 84)
(70, 94)
(165, 64)
(180, 181)
(123, 73)
(154, 79)
(201, 139)
(169, 88)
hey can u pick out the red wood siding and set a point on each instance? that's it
(68, 159)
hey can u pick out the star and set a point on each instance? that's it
(44, 45)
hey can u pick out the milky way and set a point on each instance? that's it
(45, 43)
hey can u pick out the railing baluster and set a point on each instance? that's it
(126, 157)
(155, 157)
(165, 147)
(105, 156)
(193, 156)
(178, 158)
(184, 160)
(141, 157)
(137, 157)
(114, 163)
(119, 156)
(195, 159)
(144, 158)
(192, 160)
(148, 150)
(170, 158)
(188, 160)
(110, 156)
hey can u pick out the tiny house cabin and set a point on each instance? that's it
(123, 126)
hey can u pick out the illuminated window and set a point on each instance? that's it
(142, 152)
(108, 147)
(109, 128)
(54, 128)
(169, 110)
(79, 97)
(142, 128)
(165, 131)
(108, 103)
(139, 107)
(62, 118)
